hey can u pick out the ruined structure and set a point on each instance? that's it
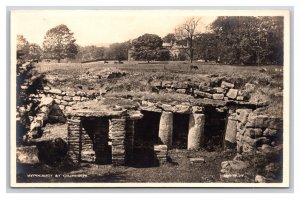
(139, 131)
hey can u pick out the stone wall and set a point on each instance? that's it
(259, 142)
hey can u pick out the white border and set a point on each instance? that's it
(286, 159)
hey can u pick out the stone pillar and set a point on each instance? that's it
(231, 130)
(117, 133)
(74, 139)
(166, 128)
(196, 131)
(101, 141)
(129, 140)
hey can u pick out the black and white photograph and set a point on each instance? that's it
(150, 98)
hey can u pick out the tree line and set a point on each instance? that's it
(239, 40)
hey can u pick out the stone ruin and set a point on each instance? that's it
(144, 131)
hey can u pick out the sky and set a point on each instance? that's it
(102, 27)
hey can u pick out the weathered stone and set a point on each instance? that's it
(181, 85)
(67, 98)
(197, 109)
(226, 85)
(242, 115)
(161, 152)
(253, 132)
(55, 91)
(57, 101)
(231, 130)
(71, 93)
(62, 107)
(249, 87)
(81, 93)
(156, 83)
(264, 121)
(47, 88)
(240, 98)
(63, 102)
(181, 91)
(166, 128)
(203, 94)
(46, 101)
(218, 96)
(232, 93)
(196, 131)
(270, 132)
(197, 161)
(233, 171)
(219, 90)
(260, 179)
(27, 155)
(267, 149)
(166, 84)
(77, 98)
(180, 108)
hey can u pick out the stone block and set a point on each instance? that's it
(181, 91)
(218, 96)
(77, 98)
(58, 97)
(67, 98)
(71, 93)
(270, 132)
(249, 87)
(81, 93)
(197, 161)
(242, 115)
(63, 102)
(240, 98)
(225, 84)
(232, 93)
(55, 91)
(231, 131)
(253, 132)
(202, 94)
(166, 84)
(27, 155)
(219, 90)
(156, 83)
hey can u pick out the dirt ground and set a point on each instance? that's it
(177, 169)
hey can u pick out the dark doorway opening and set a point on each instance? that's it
(180, 130)
(214, 128)
(98, 131)
(145, 137)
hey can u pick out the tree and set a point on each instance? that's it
(187, 31)
(147, 47)
(22, 47)
(59, 43)
(119, 51)
(170, 38)
(35, 51)
(250, 40)
(206, 46)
